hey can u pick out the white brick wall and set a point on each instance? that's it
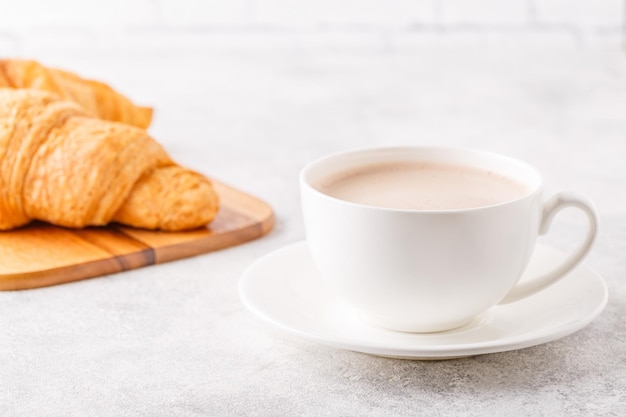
(343, 13)
(23, 16)
(589, 14)
(197, 13)
(485, 12)
(35, 26)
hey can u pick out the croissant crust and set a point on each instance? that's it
(60, 165)
(96, 98)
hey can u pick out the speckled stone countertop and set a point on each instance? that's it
(175, 339)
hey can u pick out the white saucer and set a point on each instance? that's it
(284, 289)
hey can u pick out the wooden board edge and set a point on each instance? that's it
(73, 273)
(204, 246)
(252, 206)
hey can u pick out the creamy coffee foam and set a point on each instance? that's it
(422, 186)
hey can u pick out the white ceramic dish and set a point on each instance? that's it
(285, 290)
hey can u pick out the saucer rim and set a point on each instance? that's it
(428, 352)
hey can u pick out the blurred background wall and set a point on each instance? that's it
(497, 74)
(41, 27)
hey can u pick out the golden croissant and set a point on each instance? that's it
(96, 98)
(63, 166)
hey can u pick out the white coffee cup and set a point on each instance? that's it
(418, 270)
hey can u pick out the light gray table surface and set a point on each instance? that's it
(175, 339)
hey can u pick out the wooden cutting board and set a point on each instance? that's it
(40, 254)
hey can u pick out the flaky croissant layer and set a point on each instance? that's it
(62, 166)
(95, 97)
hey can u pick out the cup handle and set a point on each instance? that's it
(550, 209)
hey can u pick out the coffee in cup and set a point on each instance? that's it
(416, 185)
